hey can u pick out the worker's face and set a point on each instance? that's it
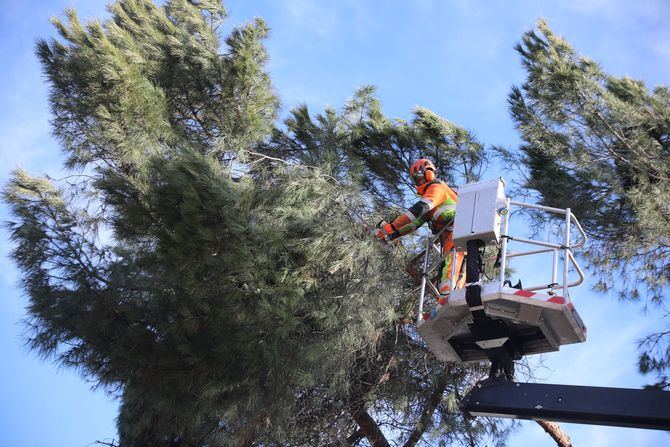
(418, 178)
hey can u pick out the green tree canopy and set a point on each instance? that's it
(227, 292)
(403, 385)
(361, 145)
(601, 145)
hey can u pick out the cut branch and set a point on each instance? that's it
(556, 432)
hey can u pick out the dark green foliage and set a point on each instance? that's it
(228, 297)
(216, 298)
(362, 145)
(601, 145)
(217, 275)
(655, 357)
(151, 76)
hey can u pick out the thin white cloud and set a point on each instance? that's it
(619, 9)
(661, 48)
(362, 17)
(322, 18)
(592, 6)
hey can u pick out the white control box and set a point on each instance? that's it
(478, 212)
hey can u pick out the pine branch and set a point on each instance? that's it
(427, 413)
(368, 426)
(111, 443)
(557, 434)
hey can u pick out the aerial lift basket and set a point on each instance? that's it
(534, 319)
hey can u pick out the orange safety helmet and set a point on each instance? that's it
(422, 171)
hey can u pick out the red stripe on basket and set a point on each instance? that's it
(524, 293)
(557, 299)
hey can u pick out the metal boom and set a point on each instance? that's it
(624, 407)
(500, 396)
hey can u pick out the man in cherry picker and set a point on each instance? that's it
(437, 207)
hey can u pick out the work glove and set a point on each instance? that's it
(387, 232)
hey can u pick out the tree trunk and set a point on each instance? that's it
(562, 439)
(355, 437)
(368, 426)
(427, 414)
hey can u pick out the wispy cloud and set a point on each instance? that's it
(618, 9)
(321, 18)
(593, 6)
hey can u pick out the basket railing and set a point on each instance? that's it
(566, 247)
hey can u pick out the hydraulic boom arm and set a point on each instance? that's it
(643, 408)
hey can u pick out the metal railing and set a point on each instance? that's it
(548, 247)
(430, 244)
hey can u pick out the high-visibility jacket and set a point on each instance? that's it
(437, 206)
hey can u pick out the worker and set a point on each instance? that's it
(437, 207)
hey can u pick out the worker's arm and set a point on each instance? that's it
(415, 216)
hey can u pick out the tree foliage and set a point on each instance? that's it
(153, 76)
(411, 393)
(216, 297)
(362, 145)
(227, 296)
(601, 144)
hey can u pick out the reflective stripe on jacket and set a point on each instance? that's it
(437, 205)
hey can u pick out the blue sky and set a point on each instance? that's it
(453, 57)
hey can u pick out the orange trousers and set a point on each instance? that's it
(445, 276)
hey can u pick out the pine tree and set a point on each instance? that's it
(600, 144)
(401, 385)
(227, 297)
(363, 146)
